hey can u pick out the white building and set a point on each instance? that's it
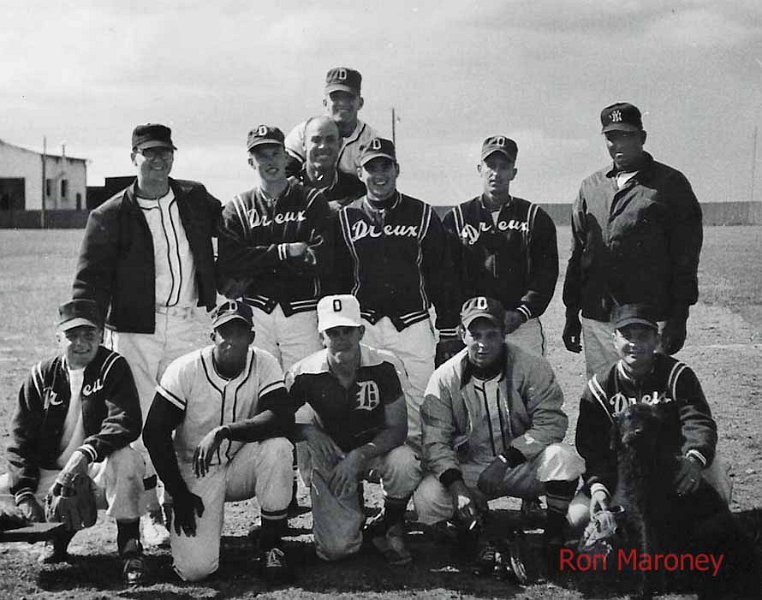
(21, 186)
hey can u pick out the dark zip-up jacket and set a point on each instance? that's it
(514, 260)
(116, 259)
(637, 244)
(110, 416)
(672, 387)
(254, 233)
(396, 261)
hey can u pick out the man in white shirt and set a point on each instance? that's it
(148, 262)
(342, 102)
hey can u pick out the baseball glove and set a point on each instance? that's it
(71, 501)
(601, 533)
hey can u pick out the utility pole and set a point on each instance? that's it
(753, 163)
(44, 180)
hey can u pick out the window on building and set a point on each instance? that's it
(48, 187)
(64, 188)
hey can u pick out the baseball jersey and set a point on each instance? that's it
(253, 235)
(351, 417)
(207, 399)
(672, 387)
(349, 153)
(512, 257)
(396, 261)
(173, 260)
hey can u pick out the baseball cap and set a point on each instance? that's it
(152, 135)
(230, 311)
(482, 307)
(264, 134)
(502, 144)
(341, 310)
(635, 314)
(343, 78)
(377, 147)
(76, 313)
(621, 116)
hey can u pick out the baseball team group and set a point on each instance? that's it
(354, 335)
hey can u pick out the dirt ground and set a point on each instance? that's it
(724, 347)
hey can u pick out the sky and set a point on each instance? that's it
(84, 73)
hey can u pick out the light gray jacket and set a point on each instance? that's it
(528, 391)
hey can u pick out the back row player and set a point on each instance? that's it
(506, 247)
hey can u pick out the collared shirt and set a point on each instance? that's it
(207, 399)
(349, 154)
(175, 270)
(490, 416)
(623, 177)
(350, 416)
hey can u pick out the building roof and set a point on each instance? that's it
(48, 154)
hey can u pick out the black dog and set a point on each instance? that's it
(659, 521)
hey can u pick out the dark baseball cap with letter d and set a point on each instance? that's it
(230, 311)
(482, 307)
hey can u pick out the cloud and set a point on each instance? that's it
(703, 28)
(456, 71)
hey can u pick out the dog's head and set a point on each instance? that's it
(637, 427)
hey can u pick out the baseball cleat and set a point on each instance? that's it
(392, 546)
(275, 567)
(134, 568)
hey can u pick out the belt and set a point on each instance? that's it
(175, 311)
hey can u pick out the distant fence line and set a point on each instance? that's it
(715, 213)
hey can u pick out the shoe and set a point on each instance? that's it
(392, 545)
(532, 513)
(134, 568)
(487, 559)
(275, 568)
(374, 527)
(514, 553)
(55, 550)
(155, 534)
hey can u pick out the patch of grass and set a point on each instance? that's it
(730, 271)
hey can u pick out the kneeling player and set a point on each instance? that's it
(353, 419)
(492, 423)
(230, 412)
(76, 415)
(644, 375)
